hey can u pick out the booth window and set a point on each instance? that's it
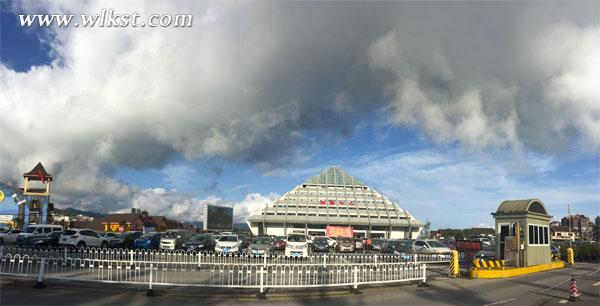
(538, 235)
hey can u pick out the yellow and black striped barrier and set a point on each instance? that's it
(488, 264)
(454, 267)
(570, 256)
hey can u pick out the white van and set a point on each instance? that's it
(34, 231)
(297, 245)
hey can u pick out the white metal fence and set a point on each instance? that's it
(213, 270)
(215, 258)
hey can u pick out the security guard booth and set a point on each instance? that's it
(522, 233)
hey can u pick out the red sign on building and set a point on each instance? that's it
(340, 231)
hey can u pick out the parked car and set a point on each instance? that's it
(398, 247)
(279, 243)
(358, 244)
(228, 244)
(50, 240)
(296, 245)
(320, 244)
(486, 241)
(245, 241)
(378, 244)
(81, 238)
(173, 239)
(147, 241)
(200, 242)
(260, 245)
(346, 244)
(554, 252)
(111, 235)
(430, 247)
(125, 240)
(10, 236)
(36, 231)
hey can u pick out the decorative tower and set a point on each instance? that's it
(36, 193)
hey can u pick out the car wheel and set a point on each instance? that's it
(81, 244)
(104, 245)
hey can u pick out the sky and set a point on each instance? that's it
(448, 108)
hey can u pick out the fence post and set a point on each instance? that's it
(324, 260)
(264, 259)
(424, 275)
(40, 283)
(199, 259)
(65, 252)
(355, 277)
(261, 294)
(150, 292)
(131, 257)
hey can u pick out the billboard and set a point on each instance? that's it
(218, 217)
(340, 231)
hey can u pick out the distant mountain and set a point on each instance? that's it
(72, 212)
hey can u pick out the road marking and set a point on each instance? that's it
(596, 284)
(563, 301)
(501, 302)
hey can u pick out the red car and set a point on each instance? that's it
(279, 244)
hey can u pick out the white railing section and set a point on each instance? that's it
(164, 256)
(237, 275)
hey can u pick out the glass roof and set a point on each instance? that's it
(334, 176)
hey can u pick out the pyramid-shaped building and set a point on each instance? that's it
(334, 202)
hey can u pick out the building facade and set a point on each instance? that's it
(581, 225)
(335, 199)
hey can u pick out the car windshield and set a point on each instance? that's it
(320, 240)
(435, 244)
(172, 234)
(199, 237)
(345, 240)
(147, 235)
(297, 238)
(69, 233)
(54, 234)
(378, 242)
(261, 240)
(401, 244)
(228, 239)
(30, 229)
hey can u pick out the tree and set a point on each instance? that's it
(597, 228)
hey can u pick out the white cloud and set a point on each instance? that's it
(453, 189)
(250, 205)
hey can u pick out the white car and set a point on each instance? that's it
(228, 244)
(9, 236)
(296, 245)
(430, 247)
(81, 238)
(35, 231)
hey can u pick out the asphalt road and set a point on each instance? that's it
(544, 288)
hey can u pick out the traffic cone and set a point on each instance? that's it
(573, 291)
